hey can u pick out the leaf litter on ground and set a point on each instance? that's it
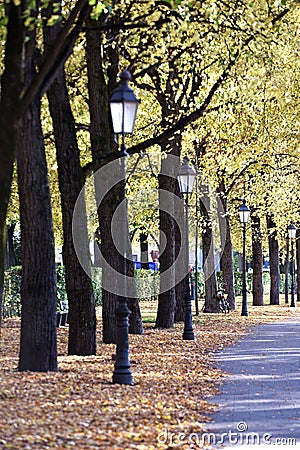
(79, 407)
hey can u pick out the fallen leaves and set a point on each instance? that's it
(78, 407)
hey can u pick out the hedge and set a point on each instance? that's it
(11, 304)
(147, 286)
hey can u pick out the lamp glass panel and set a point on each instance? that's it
(130, 109)
(182, 181)
(116, 109)
(292, 232)
(186, 183)
(244, 215)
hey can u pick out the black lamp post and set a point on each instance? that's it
(244, 213)
(196, 250)
(123, 107)
(292, 236)
(186, 178)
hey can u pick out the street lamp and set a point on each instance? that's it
(186, 178)
(292, 236)
(244, 213)
(123, 107)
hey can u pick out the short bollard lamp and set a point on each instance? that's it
(186, 178)
(123, 107)
(244, 213)
(292, 236)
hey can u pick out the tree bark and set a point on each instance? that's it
(274, 261)
(181, 287)
(287, 271)
(167, 295)
(102, 143)
(257, 258)
(298, 264)
(11, 87)
(210, 279)
(171, 300)
(38, 351)
(13, 105)
(226, 246)
(144, 248)
(82, 315)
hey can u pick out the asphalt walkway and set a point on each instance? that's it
(259, 403)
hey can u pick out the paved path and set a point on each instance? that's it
(260, 401)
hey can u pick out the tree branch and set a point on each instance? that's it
(51, 57)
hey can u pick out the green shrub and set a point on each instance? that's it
(97, 282)
(61, 285)
(11, 305)
(147, 284)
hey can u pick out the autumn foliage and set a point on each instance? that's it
(78, 406)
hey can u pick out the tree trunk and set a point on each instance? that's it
(166, 298)
(209, 268)
(181, 287)
(82, 315)
(38, 350)
(102, 143)
(171, 299)
(226, 246)
(257, 258)
(13, 105)
(135, 318)
(11, 87)
(180, 292)
(274, 261)
(144, 250)
(286, 271)
(298, 264)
